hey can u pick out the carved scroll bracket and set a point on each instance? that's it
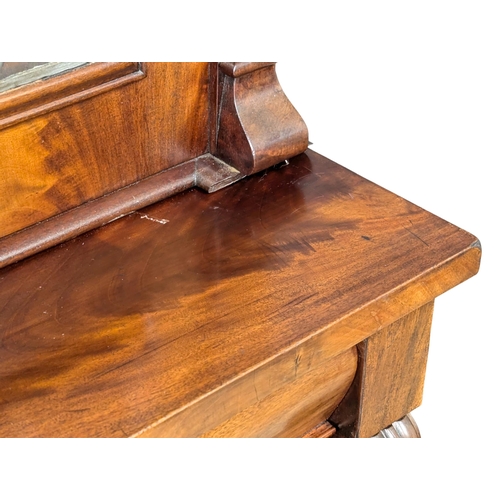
(257, 126)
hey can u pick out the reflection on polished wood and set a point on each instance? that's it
(188, 317)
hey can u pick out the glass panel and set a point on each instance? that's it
(15, 74)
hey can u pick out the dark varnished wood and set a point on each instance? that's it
(59, 160)
(120, 330)
(70, 166)
(206, 172)
(390, 379)
(257, 126)
(40, 97)
(237, 69)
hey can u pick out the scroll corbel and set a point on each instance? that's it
(257, 126)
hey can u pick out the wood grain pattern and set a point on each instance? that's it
(289, 410)
(54, 200)
(390, 378)
(119, 330)
(323, 430)
(237, 69)
(42, 96)
(55, 162)
(257, 125)
(205, 172)
(284, 397)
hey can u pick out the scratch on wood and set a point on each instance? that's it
(145, 216)
(416, 236)
(297, 363)
(255, 389)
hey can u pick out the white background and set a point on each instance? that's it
(417, 110)
(405, 94)
(409, 97)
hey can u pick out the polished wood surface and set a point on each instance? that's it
(117, 332)
(95, 143)
(257, 126)
(285, 397)
(390, 379)
(323, 430)
(60, 90)
(206, 172)
(56, 161)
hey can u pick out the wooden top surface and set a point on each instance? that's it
(119, 328)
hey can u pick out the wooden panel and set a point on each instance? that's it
(390, 379)
(283, 398)
(39, 97)
(117, 331)
(57, 161)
